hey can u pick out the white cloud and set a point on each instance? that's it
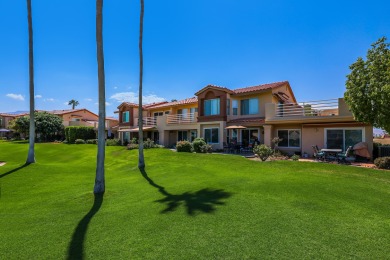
(38, 96)
(49, 99)
(133, 97)
(16, 96)
(88, 99)
(115, 87)
(66, 103)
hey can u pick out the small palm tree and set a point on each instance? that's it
(31, 152)
(141, 159)
(74, 103)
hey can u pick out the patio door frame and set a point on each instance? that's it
(343, 129)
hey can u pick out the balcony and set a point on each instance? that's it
(147, 121)
(182, 118)
(309, 110)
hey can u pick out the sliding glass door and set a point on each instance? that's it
(342, 138)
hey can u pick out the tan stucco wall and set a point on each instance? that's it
(263, 98)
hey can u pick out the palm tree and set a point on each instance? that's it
(141, 159)
(31, 152)
(99, 180)
(74, 103)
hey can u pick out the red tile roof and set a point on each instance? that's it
(177, 103)
(6, 115)
(259, 87)
(214, 87)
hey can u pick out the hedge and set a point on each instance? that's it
(79, 132)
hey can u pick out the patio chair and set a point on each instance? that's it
(318, 155)
(346, 157)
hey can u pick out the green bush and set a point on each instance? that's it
(197, 144)
(113, 142)
(132, 146)
(79, 141)
(382, 162)
(184, 146)
(263, 151)
(79, 132)
(295, 157)
(92, 141)
(134, 140)
(206, 148)
(149, 144)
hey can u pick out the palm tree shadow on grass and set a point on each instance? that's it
(76, 246)
(204, 200)
(14, 170)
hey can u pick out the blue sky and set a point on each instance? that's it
(187, 45)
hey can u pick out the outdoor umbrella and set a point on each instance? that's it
(235, 127)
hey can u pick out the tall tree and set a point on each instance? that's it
(74, 103)
(368, 86)
(31, 151)
(141, 159)
(99, 180)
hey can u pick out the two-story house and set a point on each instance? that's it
(247, 115)
(4, 124)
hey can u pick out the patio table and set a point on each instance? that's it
(331, 154)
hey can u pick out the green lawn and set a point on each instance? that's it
(188, 206)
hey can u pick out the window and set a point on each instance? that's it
(211, 135)
(342, 138)
(249, 106)
(193, 134)
(167, 112)
(211, 107)
(157, 114)
(291, 138)
(193, 110)
(125, 117)
(235, 107)
(228, 107)
(126, 137)
(182, 135)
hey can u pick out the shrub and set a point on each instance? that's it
(134, 141)
(295, 157)
(149, 144)
(79, 132)
(79, 141)
(382, 162)
(92, 141)
(184, 146)
(113, 142)
(263, 151)
(132, 146)
(206, 148)
(197, 144)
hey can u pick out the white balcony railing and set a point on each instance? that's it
(328, 107)
(147, 121)
(182, 118)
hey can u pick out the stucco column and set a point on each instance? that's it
(268, 135)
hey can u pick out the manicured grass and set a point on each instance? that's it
(188, 206)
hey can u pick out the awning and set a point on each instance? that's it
(235, 127)
(146, 128)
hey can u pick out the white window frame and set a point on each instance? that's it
(343, 128)
(204, 134)
(288, 134)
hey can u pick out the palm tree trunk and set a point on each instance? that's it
(141, 159)
(99, 180)
(31, 152)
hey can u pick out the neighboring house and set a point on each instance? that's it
(82, 117)
(4, 124)
(254, 114)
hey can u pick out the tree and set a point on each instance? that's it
(141, 159)
(47, 125)
(31, 151)
(368, 86)
(99, 187)
(74, 103)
